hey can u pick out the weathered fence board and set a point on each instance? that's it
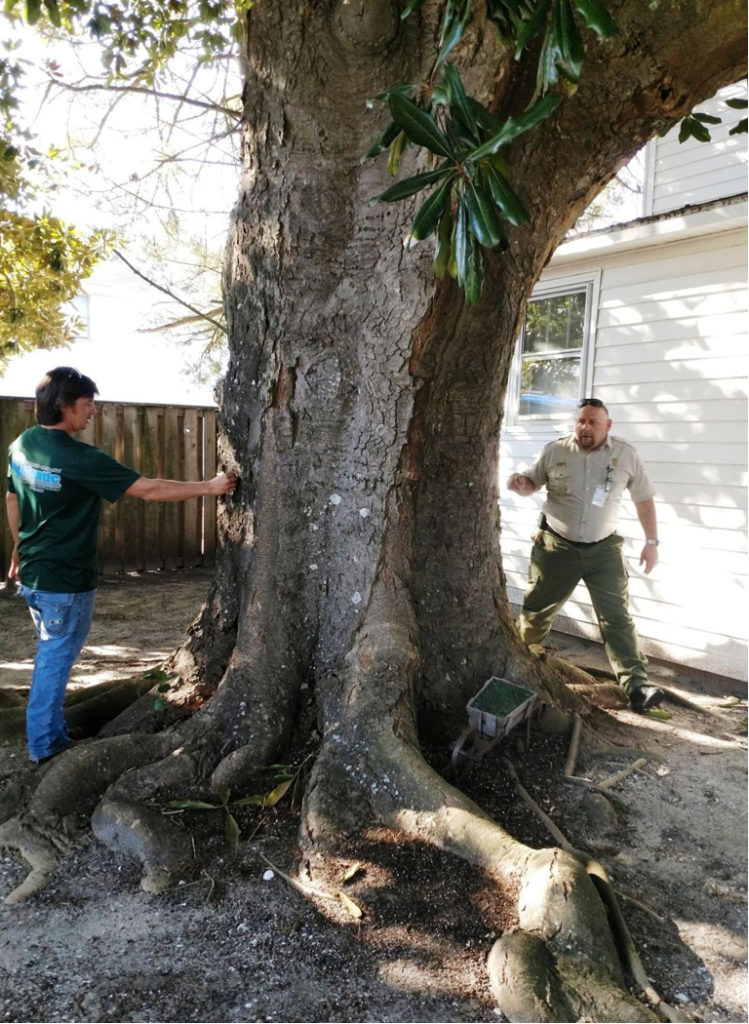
(171, 442)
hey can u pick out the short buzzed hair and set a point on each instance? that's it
(60, 387)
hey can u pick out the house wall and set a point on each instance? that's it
(690, 173)
(668, 356)
(128, 363)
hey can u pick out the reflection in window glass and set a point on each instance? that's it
(551, 356)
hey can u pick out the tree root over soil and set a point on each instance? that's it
(69, 786)
(560, 963)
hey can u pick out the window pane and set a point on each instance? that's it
(555, 323)
(549, 387)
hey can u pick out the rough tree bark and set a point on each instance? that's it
(360, 567)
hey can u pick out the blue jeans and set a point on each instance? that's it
(62, 623)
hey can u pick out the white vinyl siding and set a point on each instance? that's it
(689, 173)
(669, 359)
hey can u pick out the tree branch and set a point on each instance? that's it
(203, 316)
(142, 90)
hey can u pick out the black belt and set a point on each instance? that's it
(575, 543)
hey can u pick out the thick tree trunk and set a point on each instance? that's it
(363, 400)
(361, 570)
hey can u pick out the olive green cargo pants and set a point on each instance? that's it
(557, 566)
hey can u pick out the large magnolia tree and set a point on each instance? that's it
(360, 565)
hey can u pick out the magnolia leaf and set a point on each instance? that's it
(474, 277)
(353, 870)
(232, 830)
(483, 117)
(690, 127)
(223, 792)
(482, 216)
(595, 16)
(515, 126)
(737, 104)
(570, 62)
(459, 105)
(409, 186)
(457, 16)
(549, 60)
(256, 800)
(504, 197)
(532, 27)
(353, 908)
(429, 214)
(461, 240)
(273, 797)
(384, 141)
(396, 151)
(419, 126)
(740, 128)
(706, 118)
(444, 242)
(660, 714)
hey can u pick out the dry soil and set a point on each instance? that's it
(239, 943)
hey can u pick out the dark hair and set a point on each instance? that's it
(61, 386)
(595, 402)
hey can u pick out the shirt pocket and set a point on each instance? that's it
(559, 480)
(616, 481)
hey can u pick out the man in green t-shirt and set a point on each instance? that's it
(55, 487)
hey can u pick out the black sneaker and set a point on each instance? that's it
(646, 697)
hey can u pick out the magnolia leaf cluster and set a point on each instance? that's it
(472, 199)
(42, 260)
(696, 124)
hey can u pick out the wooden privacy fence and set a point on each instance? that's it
(168, 441)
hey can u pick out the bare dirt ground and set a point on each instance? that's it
(238, 943)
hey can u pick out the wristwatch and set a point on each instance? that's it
(653, 540)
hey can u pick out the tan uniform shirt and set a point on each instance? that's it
(584, 491)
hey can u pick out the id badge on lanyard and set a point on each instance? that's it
(600, 494)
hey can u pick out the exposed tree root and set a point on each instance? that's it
(39, 847)
(165, 852)
(89, 710)
(562, 963)
(603, 692)
(67, 787)
(505, 952)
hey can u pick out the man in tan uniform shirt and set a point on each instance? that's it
(586, 474)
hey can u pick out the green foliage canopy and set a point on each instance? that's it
(473, 194)
(470, 197)
(42, 259)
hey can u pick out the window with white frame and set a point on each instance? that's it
(549, 373)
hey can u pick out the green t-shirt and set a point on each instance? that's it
(59, 483)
